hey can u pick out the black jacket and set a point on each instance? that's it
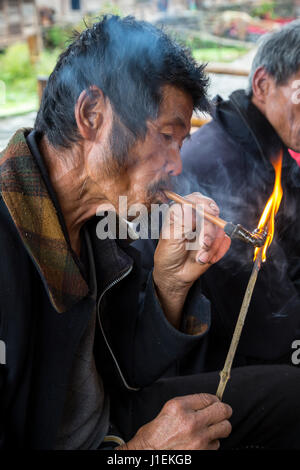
(42, 320)
(229, 160)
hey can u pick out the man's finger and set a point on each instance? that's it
(214, 445)
(211, 246)
(215, 413)
(219, 431)
(208, 204)
(216, 251)
(197, 401)
(181, 221)
(222, 249)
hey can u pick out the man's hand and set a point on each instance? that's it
(192, 422)
(176, 268)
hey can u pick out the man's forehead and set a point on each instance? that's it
(176, 106)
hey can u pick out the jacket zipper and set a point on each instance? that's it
(102, 329)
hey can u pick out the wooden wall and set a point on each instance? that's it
(18, 20)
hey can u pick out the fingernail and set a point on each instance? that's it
(203, 258)
(207, 241)
(213, 207)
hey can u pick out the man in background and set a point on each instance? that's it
(230, 159)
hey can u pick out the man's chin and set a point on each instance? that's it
(294, 145)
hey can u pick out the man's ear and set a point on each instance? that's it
(90, 109)
(261, 85)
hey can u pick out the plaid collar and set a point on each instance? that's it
(32, 210)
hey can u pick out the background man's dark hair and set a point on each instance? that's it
(279, 54)
(129, 61)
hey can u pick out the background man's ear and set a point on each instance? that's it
(261, 84)
(90, 109)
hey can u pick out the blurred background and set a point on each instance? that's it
(222, 33)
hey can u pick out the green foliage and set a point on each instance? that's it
(197, 43)
(264, 9)
(217, 54)
(210, 51)
(107, 9)
(47, 61)
(20, 77)
(88, 20)
(15, 64)
(57, 36)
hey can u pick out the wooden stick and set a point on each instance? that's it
(199, 121)
(225, 373)
(225, 70)
(182, 200)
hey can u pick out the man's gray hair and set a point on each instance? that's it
(279, 54)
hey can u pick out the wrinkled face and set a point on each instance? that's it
(157, 159)
(282, 109)
(152, 162)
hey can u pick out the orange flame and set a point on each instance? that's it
(267, 220)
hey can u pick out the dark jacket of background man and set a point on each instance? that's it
(229, 159)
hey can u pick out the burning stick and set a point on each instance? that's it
(267, 220)
(225, 373)
(256, 238)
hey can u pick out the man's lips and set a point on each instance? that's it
(162, 195)
(159, 197)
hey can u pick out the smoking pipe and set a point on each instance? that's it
(256, 238)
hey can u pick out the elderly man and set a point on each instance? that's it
(84, 350)
(247, 132)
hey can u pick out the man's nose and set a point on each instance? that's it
(174, 165)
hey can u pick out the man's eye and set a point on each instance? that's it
(168, 137)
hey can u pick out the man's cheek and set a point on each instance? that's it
(95, 164)
(137, 192)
